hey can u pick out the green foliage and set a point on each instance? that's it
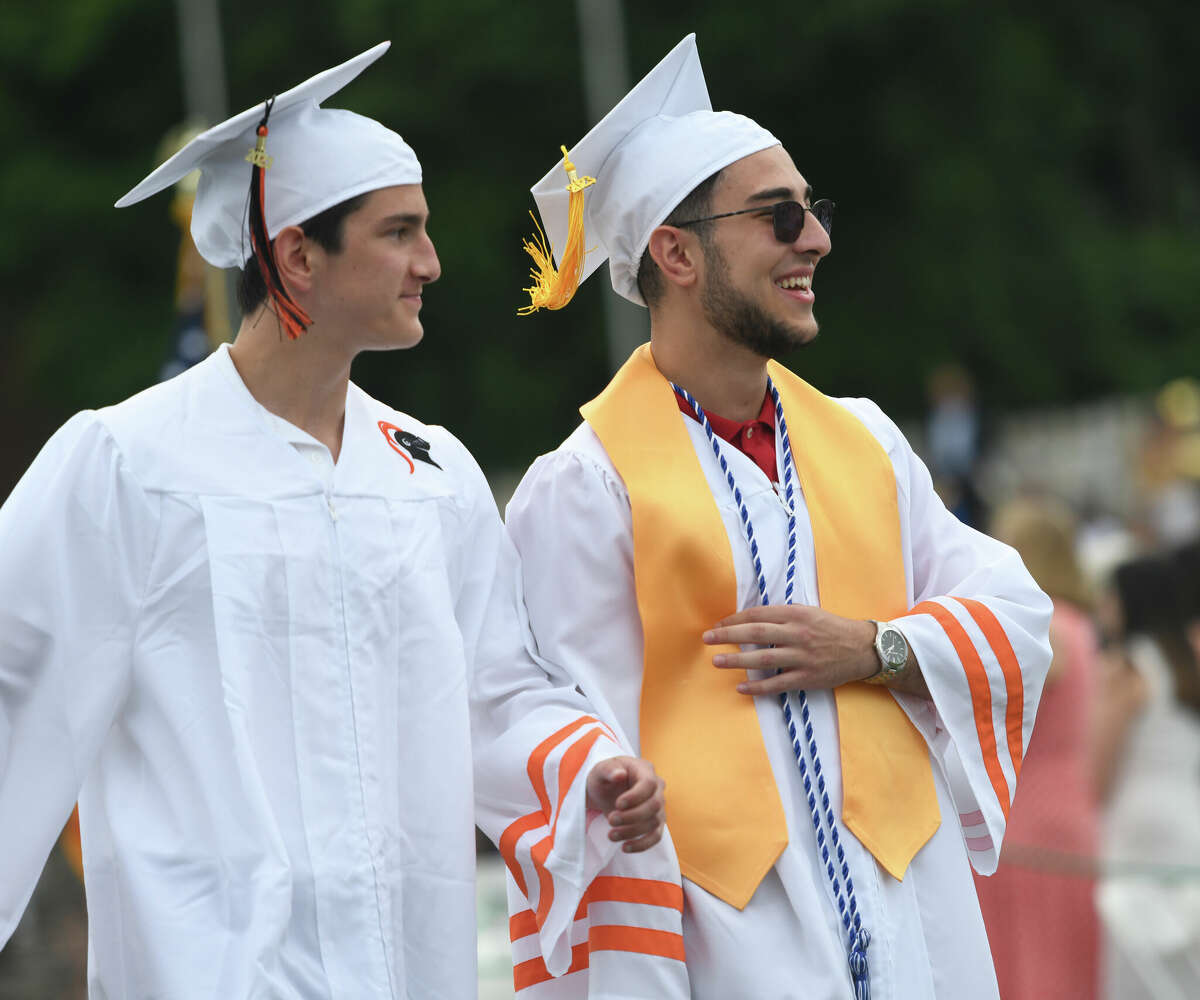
(1018, 189)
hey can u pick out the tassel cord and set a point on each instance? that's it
(290, 314)
(858, 939)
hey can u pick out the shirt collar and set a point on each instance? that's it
(727, 429)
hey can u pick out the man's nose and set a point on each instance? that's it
(426, 265)
(813, 238)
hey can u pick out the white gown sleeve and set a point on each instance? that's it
(570, 521)
(76, 540)
(535, 738)
(979, 627)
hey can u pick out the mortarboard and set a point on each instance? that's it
(642, 159)
(315, 158)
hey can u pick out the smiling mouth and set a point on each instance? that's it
(802, 282)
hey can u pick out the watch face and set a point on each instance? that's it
(894, 647)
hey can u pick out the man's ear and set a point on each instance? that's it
(677, 254)
(293, 258)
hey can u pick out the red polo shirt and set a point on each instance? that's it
(755, 438)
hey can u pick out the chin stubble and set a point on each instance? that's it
(741, 320)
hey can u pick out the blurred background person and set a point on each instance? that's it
(953, 441)
(1169, 464)
(1187, 564)
(1044, 884)
(1149, 897)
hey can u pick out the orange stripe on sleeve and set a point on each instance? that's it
(1013, 685)
(534, 971)
(610, 937)
(521, 925)
(981, 695)
(569, 767)
(508, 846)
(567, 770)
(615, 889)
(535, 770)
(608, 889)
(539, 853)
(537, 759)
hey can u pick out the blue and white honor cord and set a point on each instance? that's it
(824, 823)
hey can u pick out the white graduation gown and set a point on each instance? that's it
(260, 681)
(570, 519)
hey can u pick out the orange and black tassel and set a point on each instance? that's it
(290, 313)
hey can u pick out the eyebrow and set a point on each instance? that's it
(780, 194)
(409, 219)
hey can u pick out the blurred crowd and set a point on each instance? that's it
(1098, 892)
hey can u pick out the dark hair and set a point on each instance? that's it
(1152, 591)
(325, 229)
(1186, 559)
(697, 204)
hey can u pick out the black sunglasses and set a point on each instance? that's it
(787, 217)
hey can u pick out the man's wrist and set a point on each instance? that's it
(868, 665)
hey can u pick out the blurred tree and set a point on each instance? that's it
(1018, 189)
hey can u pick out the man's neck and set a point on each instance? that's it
(302, 381)
(726, 378)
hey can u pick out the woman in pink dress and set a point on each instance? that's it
(1038, 907)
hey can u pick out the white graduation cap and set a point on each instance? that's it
(319, 157)
(645, 156)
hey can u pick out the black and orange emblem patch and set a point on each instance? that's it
(407, 445)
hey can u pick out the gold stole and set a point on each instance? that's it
(723, 808)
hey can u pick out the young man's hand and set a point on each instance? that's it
(630, 794)
(810, 647)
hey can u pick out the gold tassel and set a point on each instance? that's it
(553, 289)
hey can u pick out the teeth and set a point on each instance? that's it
(804, 281)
